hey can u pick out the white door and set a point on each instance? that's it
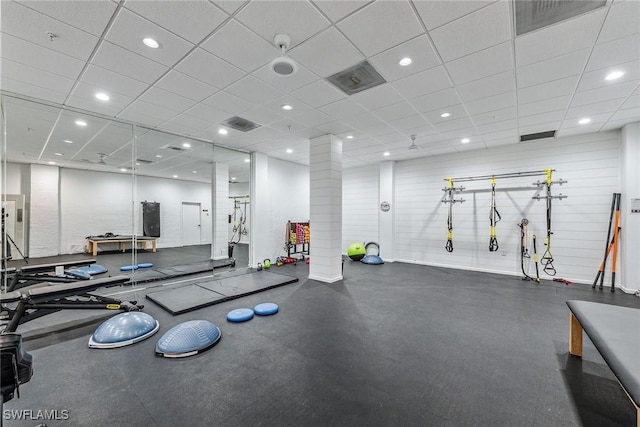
(9, 211)
(190, 224)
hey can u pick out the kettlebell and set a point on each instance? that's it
(266, 263)
(259, 267)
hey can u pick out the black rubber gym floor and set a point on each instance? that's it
(393, 345)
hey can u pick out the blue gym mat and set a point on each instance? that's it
(198, 295)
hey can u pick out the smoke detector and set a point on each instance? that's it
(283, 65)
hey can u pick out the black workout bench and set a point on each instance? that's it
(30, 274)
(615, 332)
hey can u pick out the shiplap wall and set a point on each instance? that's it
(359, 205)
(590, 163)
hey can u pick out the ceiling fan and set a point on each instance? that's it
(413, 145)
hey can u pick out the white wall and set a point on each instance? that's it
(579, 222)
(360, 205)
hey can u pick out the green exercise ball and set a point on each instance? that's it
(356, 251)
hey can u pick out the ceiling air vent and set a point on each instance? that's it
(538, 135)
(357, 78)
(238, 123)
(535, 14)
(171, 147)
(144, 161)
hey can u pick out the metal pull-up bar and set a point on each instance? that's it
(500, 175)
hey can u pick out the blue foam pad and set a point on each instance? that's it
(80, 274)
(266, 309)
(124, 329)
(91, 269)
(188, 338)
(145, 265)
(372, 259)
(240, 315)
(128, 267)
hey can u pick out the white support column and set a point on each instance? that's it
(326, 209)
(630, 222)
(44, 211)
(260, 210)
(220, 208)
(386, 218)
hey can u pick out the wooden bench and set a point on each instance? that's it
(94, 241)
(615, 332)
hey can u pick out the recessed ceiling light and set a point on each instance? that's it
(247, 160)
(584, 121)
(186, 145)
(159, 156)
(287, 107)
(175, 176)
(81, 123)
(349, 136)
(51, 163)
(194, 171)
(123, 169)
(233, 178)
(151, 43)
(289, 151)
(445, 115)
(58, 154)
(614, 75)
(386, 153)
(68, 141)
(102, 96)
(223, 131)
(405, 61)
(137, 164)
(465, 140)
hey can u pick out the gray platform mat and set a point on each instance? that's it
(163, 273)
(198, 295)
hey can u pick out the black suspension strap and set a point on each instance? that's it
(449, 245)
(535, 258)
(243, 218)
(547, 258)
(524, 251)
(494, 217)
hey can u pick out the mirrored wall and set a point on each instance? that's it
(76, 186)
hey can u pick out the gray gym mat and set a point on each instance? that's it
(198, 295)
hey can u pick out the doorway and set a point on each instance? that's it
(191, 224)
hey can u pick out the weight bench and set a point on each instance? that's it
(145, 241)
(615, 332)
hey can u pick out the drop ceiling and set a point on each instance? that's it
(213, 64)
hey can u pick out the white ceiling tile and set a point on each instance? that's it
(128, 31)
(489, 86)
(631, 114)
(288, 84)
(589, 110)
(187, 122)
(491, 103)
(237, 45)
(112, 82)
(377, 97)
(92, 17)
(337, 53)
(632, 102)
(226, 102)
(423, 83)
(334, 128)
(254, 90)
(455, 111)
(622, 20)
(148, 109)
(575, 34)
(338, 9)
(494, 116)
(167, 99)
(84, 97)
(615, 52)
(536, 119)
(570, 64)
(319, 93)
(32, 90)
(550, 104)
(484, 63)
(500, 142)
(511, 134)
(597, 120)
(457, 126)
(33, 26)
(202, 17)
(313, 118)
(418, 49)
(578, 130)
(275, 105)
(45, 79)
(208, 114)
(592, 96)
(343, 109)
(36, 56)
(186, 86)
(210, 69)
(409, 123)
(120, 60)
(262, 116)
(141, 118)
(542, 127)
(436, 100)
(497, 126)
(395, 111)
(229, 6)
(564, 86)
(614, 125)
(297, 19)
(437, 13)
(380, 26)
(479, 30)
(595, 79)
